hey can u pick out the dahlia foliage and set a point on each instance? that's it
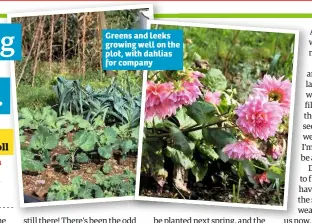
(243, 132)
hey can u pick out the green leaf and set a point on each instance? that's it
(249, 170)
(201, 112)
(178, 157)
(69, 128)
(85, 140)
(180, 142)
(274, 63)
(208, 151)
(126, 146)
(82, 158)
(43, 139)
(109, 136)
(275, 172)
(218, 137)
(50, 142)
(66, 143)
(98, 122)
(105, 151)
(199, 170)
(63, 159)
(68, 168)
(29, 163)
(98, 192)
(184, 119)
(85, 193)
(50, 121)
(135, 133)
(240, 170)
(106, 168)
(215, 80)
(46, 157)
(26, 113)
(82, 123)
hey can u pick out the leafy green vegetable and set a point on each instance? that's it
(85, 140)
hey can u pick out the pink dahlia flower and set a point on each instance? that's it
(276, 90)
(189, 90)
(158, 101)
(198, 74)
(259, 117)
(245, 149)
(262, 178)
(275, 151)
(213, 97)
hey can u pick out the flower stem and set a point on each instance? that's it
(191, 129)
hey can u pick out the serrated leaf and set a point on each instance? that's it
(98, 122)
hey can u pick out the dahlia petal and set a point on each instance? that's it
(213, 97)
(275, 89)
(259, 117)
(245, 149)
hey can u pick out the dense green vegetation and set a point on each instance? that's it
(88, 123)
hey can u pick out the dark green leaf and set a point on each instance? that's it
(178, 157)
(199, 170)
(201, 112)
(218, 137)
(180, 142)
(208, 151)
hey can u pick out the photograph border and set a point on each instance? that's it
(10, 16)
(290, 130)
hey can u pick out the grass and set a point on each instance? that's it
(35, 97)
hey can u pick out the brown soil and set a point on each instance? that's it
(38, 184)
(199, 191)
